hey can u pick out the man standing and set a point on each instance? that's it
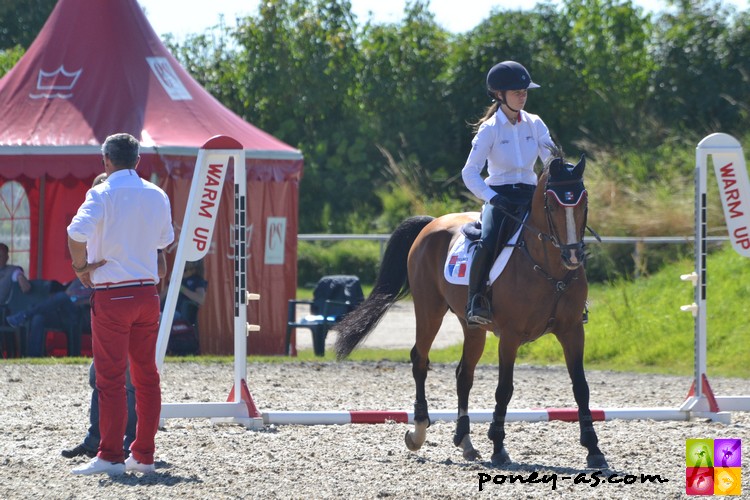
(113, 241)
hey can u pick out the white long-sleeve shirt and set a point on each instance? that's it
(124, 221)
(509, 150)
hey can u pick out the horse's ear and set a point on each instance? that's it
(555, 166)
(580, 167)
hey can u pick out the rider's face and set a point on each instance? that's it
(516, 99)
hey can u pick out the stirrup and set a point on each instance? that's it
(478, 311)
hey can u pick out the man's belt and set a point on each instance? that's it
(124, 284)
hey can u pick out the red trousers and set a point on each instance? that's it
(125, 322)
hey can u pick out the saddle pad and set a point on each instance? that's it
(458, 262)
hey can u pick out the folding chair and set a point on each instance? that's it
(333, 297)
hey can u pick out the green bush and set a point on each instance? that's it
(316, 259)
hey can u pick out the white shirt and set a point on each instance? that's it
(124, 221)
(509, 150)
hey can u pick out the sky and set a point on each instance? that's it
(183, 17)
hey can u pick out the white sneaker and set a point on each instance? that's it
(99, 466)
(133, 465)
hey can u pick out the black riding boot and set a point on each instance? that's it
(478, 307)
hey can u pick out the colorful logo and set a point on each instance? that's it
(456, 266)
(713, 467)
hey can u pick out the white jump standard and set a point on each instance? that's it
(214, 158)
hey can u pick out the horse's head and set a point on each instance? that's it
(566, 207)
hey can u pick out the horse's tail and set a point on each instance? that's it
(391, 285)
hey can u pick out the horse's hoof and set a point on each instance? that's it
(469, 452)
(410, 444)
(597, 462)
(501, 458)
(472, 455)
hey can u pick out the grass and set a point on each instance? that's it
(634, 326)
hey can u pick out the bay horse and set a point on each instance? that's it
(543, 289)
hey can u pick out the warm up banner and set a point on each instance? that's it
(731, 174)
(214, 159)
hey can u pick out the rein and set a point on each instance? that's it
(560, 286)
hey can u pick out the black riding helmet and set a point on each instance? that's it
(508, 75)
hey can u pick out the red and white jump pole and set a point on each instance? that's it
(214, 158)
(478, 416)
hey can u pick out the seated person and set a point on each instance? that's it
(192, 293)
(10, 274)
(61, 307)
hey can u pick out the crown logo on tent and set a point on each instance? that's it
(54, 83)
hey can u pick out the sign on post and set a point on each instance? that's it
(731, 175)
(214, 159)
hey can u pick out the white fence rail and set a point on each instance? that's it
(639, 242)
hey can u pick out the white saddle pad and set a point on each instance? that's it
(458, 262)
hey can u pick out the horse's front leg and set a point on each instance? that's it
(419, 365)
(507, 350)
(474, 340)
(573, 350)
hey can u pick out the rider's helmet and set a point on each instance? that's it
(509, 75)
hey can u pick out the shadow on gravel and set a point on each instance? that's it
(161, 477)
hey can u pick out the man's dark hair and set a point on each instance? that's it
(122, 150)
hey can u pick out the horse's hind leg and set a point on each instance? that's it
(419, 366)
(573, 350)
(507, 351)
(474, 340)
(429, 318)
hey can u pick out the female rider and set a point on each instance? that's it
(509, 140)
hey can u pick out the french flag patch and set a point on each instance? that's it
(452, 264)
(455, 267)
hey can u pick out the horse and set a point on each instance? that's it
(543, 289)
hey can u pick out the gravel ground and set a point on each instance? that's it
(45, 409)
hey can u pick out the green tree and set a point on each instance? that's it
(9, 58)
(21, 21)
(403, 89)
(738, 69)
(594, 59)
(297, 63)
(695, 85)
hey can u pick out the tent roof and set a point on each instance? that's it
(98, 67)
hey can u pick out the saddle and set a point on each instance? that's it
(458, 261)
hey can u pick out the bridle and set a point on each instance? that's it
(573, 193)
(573, 197)
(568, 193)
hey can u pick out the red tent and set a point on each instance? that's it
(96, 68)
